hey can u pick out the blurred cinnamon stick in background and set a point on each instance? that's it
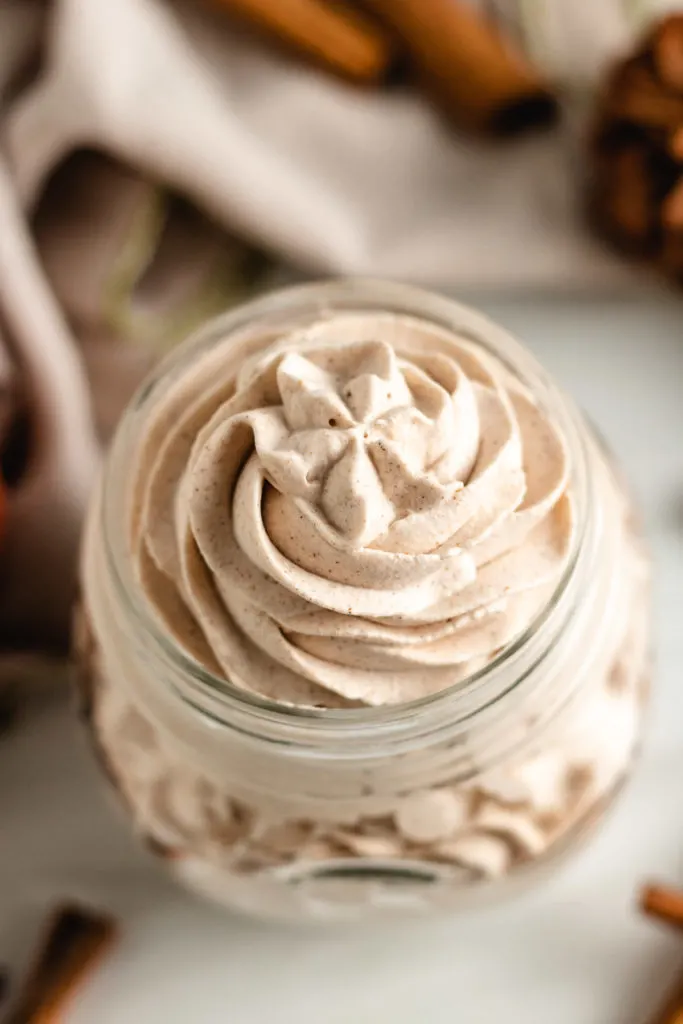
(475, 74)
(668, 52)
(74, 941)
(663, 903)
(335, 36)
(635, 185)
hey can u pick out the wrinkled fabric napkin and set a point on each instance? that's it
(44, 377)
(156, 162)
(335, 180)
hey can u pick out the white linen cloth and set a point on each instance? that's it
(336, 180)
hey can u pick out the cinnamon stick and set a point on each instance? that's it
(634, 94)
(625, 206)
(337, 37)
(672, 208)
(676, 144)
(75, 939)
(663, 903)
(476, 75)
(668, 52)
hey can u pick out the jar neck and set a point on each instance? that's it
(474, 704)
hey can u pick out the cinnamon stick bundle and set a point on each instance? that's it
(335, 36)
(635, 194)
(476, 75)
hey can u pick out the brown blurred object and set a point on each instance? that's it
(3, 507)
(74, 942)
(666, 905)
(663, 904)
(333, 35)
(475, 74)
(636, 183)
(10, 402)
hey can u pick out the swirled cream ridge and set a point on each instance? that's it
(360, 512)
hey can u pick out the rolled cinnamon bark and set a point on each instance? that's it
(472, 71)
(663, 903)
(668, 52)
(74, 941)
(339, 38)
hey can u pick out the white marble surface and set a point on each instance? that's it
(573, 953)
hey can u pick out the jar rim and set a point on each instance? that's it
(223, 700)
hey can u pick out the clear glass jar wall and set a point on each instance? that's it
(364, 807)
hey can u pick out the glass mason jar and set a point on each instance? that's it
(307, 812)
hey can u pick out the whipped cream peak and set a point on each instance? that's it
(368, 440)
(364, 511)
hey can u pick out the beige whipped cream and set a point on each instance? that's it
(361, 513)
(357, 513)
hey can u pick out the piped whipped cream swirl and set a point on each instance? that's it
(361, 512)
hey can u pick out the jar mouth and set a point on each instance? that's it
(215, 696)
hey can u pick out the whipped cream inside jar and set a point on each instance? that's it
(364, 625)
